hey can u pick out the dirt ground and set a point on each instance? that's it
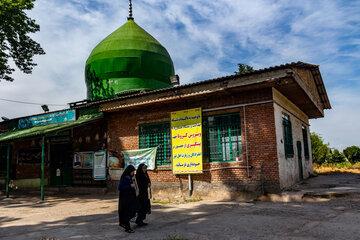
(323, 207)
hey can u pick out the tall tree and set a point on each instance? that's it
(320, 151)
(243, 68)
(15, 43)
(352, 154)
(337, 157)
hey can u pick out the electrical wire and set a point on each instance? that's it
(31, 103)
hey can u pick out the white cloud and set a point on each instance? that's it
(341, 124)
(206, 39)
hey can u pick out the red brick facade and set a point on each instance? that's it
(250, 95)
(123, 134)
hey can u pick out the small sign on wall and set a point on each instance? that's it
(99, 170)
(83, 160)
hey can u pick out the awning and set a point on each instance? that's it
(47, 130)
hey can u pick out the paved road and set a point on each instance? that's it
(328, 209)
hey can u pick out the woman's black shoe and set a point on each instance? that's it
(129, 230)
(141, 224)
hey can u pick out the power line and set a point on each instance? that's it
(31, 103)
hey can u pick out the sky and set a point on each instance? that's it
(205, 39)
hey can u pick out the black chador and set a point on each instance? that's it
(128, 205)
(143, 182)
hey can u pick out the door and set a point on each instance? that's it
(298, 143)
(61, 158)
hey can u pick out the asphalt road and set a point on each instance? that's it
(325, 207)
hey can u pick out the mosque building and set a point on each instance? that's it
(221, 137)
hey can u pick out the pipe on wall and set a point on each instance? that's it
(246, 144)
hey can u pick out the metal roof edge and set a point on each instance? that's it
(269, 69)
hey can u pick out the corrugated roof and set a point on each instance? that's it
(48, 129)
(319, 83)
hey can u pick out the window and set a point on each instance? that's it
(288, 141)
(306, 144)
(157, 135)
(224, 137)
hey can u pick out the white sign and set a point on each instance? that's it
(99, 170)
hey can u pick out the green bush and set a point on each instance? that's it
(357, 165)
(352, 154)
(345, 164)
(337, 157)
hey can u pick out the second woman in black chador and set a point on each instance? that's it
(127, 198)
(143, 181)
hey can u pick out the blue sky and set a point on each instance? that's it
(206, 39)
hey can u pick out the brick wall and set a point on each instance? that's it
(123, 134)
(23, 170)
(90, 137)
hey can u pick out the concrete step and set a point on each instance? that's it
(309, 195)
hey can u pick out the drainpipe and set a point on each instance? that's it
(8, 170)
(246, 144)
(42, 166)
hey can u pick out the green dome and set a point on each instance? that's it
(129, 59)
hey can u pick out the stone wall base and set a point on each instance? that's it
(205, 190)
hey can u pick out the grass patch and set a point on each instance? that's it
(162, 202)
(185, 200)
(331, 168)
(198, 199)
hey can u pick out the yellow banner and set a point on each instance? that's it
(186, 135)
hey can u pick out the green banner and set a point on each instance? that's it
(136, 157)
(46, 119)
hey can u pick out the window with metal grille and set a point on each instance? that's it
(224, 137)
(288, 141)
(306, 144)
(157, 135)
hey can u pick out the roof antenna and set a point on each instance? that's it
(130, 11)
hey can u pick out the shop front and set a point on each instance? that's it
(38, 156)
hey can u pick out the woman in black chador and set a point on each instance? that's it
(143, 182)
(127, 198)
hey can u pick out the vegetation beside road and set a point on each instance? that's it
(328, 160)
(331, 168)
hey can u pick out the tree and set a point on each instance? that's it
(320, 151)
(243, 68)
(352, 154)
(15, 43)
(337, 157)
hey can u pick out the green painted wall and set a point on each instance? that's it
(129, 59)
